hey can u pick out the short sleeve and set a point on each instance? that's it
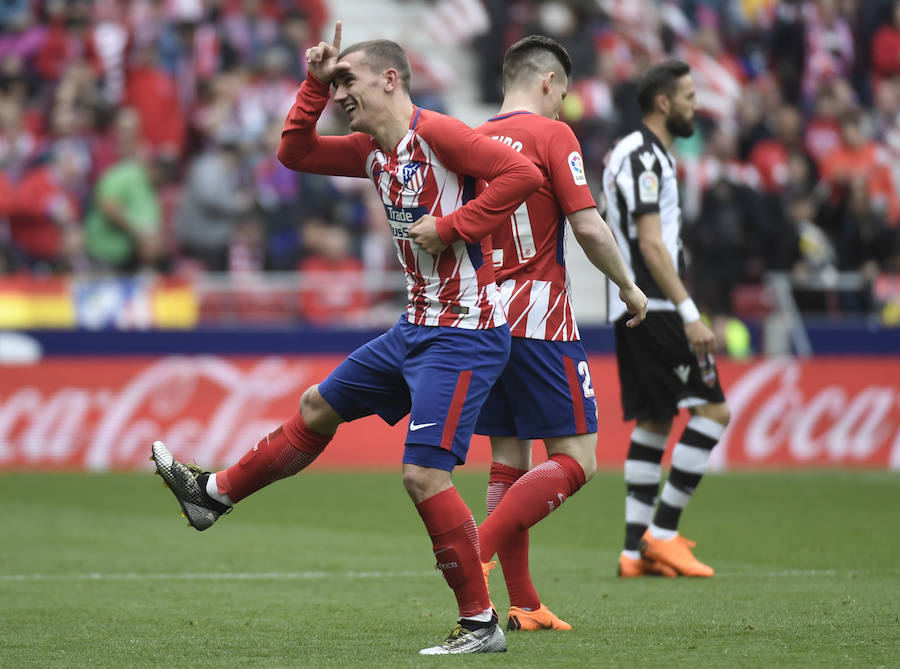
(645, 184)
(567, 173)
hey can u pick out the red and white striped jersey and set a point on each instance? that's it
(530, 252)
(435, 169)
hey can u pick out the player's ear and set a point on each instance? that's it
(547, 81)
(663, 103)
(391, 79)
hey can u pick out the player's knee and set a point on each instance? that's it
(655, 425)
(724, 414)
(317, 413)
(585, 454)
(424, 482)
(310, 404)
(720, 412)
(412, 481)
(415, 484)
(581, 448)
(589, 464)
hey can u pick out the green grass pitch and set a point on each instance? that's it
(334, 569)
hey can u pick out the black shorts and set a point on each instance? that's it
(658, 372)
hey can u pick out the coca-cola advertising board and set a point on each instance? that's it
(100, 413)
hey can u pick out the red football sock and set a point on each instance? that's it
(454, 537)
(531, 498)
(279, 454)
(513, 554)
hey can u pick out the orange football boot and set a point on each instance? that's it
(528, 621)
(675, 552)
(629, 568)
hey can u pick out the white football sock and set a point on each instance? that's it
(662, 534)
(213, 491)
(483, 617)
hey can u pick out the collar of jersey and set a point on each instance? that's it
(412, 126)
(656, 140)
(500, 117)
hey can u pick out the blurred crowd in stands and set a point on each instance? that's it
(140, 135)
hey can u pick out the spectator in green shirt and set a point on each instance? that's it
(123, 228)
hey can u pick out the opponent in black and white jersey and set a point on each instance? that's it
(640, 179)
(666, 363)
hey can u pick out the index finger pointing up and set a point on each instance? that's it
(336, 42)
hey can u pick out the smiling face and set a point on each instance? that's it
(360, 92)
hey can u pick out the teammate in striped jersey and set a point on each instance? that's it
(667, 363)
(441, 359)
(545, 391)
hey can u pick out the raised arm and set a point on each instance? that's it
(302, 148)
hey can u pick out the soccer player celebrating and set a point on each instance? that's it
(439, 361)
(667, 363)
(545, 392)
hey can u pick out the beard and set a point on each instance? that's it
(679, 127)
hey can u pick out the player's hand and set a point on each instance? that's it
(636, 303)
(700, 337)
(424, 233)
(322, 60)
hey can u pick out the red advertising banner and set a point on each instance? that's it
(99, 413)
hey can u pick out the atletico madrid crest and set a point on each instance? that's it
(413, 176)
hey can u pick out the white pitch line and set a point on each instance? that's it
(812, 573)
(225, 576)
(787, 572)
(748, 570)
(352, 575)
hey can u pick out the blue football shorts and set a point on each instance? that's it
(440, 376)
(545, 391)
